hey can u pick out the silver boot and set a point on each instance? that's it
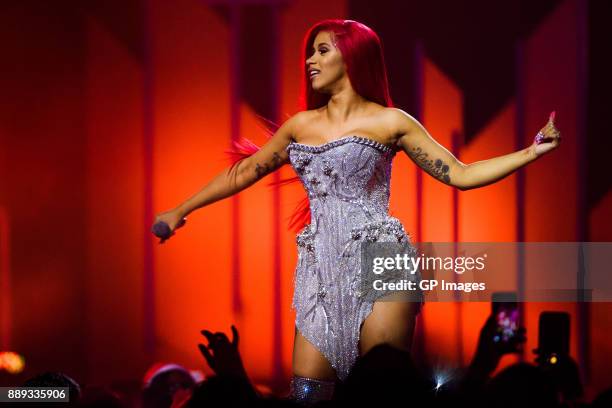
(308, 391)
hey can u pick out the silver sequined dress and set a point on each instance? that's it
(348, 186)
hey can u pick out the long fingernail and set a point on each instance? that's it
(552, 115)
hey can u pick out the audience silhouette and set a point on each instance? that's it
(385, 376)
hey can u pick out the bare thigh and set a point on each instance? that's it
(308, 361)
(390, 322)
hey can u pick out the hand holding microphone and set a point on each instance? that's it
(166, 224)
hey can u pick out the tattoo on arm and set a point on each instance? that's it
(436, 168)
(262, 169)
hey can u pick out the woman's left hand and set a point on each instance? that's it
(548, 138)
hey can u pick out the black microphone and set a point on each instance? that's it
(162, 230)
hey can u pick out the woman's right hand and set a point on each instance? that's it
(173, 218)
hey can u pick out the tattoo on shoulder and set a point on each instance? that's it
(436, 168)
(262, 169)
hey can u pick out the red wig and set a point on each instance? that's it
(362, 53)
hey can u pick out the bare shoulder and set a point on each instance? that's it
(312, 114)
(292, 124)
(301, 120)
(303, 117)
(400, 120)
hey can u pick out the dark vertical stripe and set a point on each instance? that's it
(417, 87)
(147, 153)
(419, 78)
(519, 137)
(275, 94)
(456, 142)
(582, 217)
(5, 281)
(235, 86)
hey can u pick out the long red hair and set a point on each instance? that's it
(362, 53)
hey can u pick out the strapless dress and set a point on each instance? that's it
(348, 185)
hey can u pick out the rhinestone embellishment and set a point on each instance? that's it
(374, 230)
(322, 291)
(334, 143)
(305, 239)
(327, 168)
(314, 181)
(301, 161)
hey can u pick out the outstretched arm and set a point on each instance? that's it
(245, 173)
(444, 166)
(232, 180)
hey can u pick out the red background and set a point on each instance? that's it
(115, 109)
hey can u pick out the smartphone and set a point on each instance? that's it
(553, 336)
(505, 309)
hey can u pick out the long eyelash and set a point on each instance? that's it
(322, 50)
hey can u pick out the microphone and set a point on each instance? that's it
(162, 230)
